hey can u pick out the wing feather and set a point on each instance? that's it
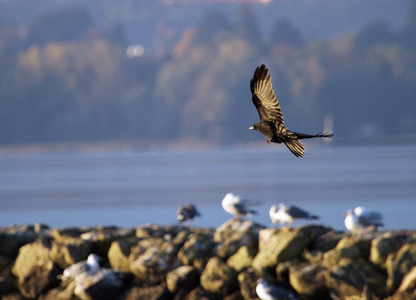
(264, 98)
(296, 147)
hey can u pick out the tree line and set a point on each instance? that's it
(64, 80)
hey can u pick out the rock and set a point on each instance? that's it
(199, 293)
(197, 247)
(9, 244)
(35, 271)
(241, 260)
(31, 255)
(184, 277)
(406, 295)
(5, 261)
(158, 292)
(6, 285)
(105, 284)
(399, 264)
(152, 258)
(308, 280)
(281, 246)
(119, 253)
(327, 241)
(234, 228)
(102, 237)
(70, 251)
(386, 244)
(409, 281)
(346, 248)
(39, 279)
(234, 234)
(218, 277)
(350, 277)
(64, 235)
(155, 231)
(247, 281)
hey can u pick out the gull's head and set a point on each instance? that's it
(93, 259)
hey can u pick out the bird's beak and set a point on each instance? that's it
(251, 128)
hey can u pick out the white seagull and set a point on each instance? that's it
(286, 214)
(85, 267)
(187, 212)
(361, 218)
(266, 291)
(237, 206)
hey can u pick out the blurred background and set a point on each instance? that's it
(146, 75)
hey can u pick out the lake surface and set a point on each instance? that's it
(132, 188)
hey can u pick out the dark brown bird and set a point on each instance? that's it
(271, 123)
(187, 212)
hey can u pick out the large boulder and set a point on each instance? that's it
(347, 247)
(234, 234)
(409, 281)
(399, 264)
(235, 227)
(182, 278)
(308, 280)
(247, 281)
(352, 277)
(218, 277)
(70, 251)
(386, 244)
(106, 284)
(119, 253)
(241, 260)
(198, 247)
(158, 292)
(152, 259)
(280, 246)
(36, 273)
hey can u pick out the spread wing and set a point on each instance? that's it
(264, 98)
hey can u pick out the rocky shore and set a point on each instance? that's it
(180, 262)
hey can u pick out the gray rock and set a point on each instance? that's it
(218, 277)
(6, 285)
(104, 285)
(158, 292)
(282, 245)
(384, 245)
(308, 280)
(351, 277)
(197, 247)
(119, 253)
(39, 279)
(399, 264)
(247, 281)
(409, 281)
(199, 293)
(241, 260)
(152, 259)
(234, 234)
(182, 278)
(31, 255)
(69, 251)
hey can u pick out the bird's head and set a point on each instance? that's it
(254, 127)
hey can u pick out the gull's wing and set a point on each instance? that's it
(264, 98)
(296, 212)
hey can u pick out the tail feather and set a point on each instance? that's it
(296, 147)
(308, 136)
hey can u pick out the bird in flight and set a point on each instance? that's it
(271, 123)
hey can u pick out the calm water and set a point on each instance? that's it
(131, 188)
